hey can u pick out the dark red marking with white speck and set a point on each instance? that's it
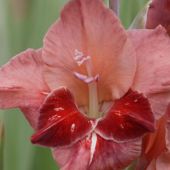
(61, 123)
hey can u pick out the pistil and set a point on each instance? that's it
(91, 81)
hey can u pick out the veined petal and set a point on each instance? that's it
(22, 84)
(130, 117)
(60, 122)
(88, 26)
(153, 67)
(107, 155)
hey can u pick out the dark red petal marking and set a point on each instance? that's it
(60, 122)
(130, 117)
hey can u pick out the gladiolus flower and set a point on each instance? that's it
(91, 91)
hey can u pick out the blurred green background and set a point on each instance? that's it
(23, 24)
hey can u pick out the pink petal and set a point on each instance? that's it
(156, 146)
(60, 122)
(159, 13)
(130, 117)
(22, 83)
(163, 161)
(152, 76)
(153, 146)
(88, 26)
(108, 155)
(31, 113)
(75, 157)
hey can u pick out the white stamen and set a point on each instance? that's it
(80, 76)
(81, 61)
(93, 147)
(78, 55)
(90, 80)
(85, 78)
(80, 58)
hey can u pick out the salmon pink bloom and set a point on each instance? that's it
(92, 92)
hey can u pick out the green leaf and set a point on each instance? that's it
(129, 9)
(140, 19)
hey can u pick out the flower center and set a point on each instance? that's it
(90, 79)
